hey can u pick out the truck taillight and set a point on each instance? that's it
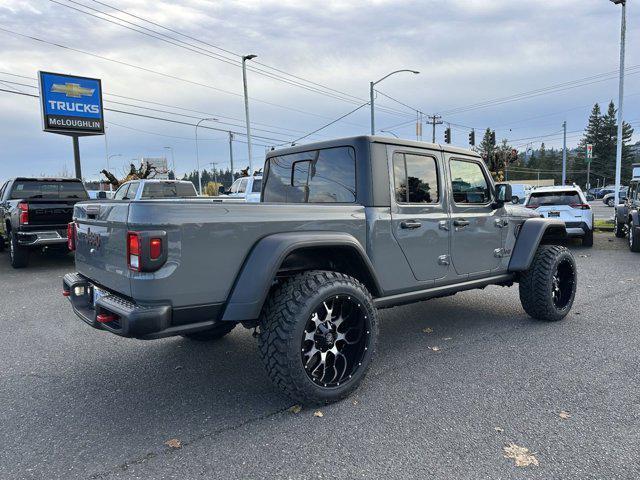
(155, 248)
(71, 236)
(133, 251)
(24, 213)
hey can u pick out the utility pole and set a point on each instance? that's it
(435, 120)
(623, 29)
(564, 153)
(246, 107)
(231, 155)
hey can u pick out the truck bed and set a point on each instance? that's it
(208, 242)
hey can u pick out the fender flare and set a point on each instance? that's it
(529, 238)
(635, 217)
(256, 277)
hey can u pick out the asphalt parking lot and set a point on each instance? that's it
(78, 403)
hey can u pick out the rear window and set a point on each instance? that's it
(168, 190)
(541, 199)
(52, 190)
(316, 176)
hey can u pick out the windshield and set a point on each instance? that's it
(168, 190)
(48, 189)
(542, 199)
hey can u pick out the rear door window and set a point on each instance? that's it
(257, 185)
(243, 185)
(541, 199)
(317, 176)
(415, 178)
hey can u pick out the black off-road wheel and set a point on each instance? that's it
(634, 238)
(1, 243)
(218, 331)
(548, 288)
(18, 255)
(618, 228)
(587, 240)
(318, 334)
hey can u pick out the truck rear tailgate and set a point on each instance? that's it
(50, 213)
(101, 244)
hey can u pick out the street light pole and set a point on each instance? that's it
(371, 95)
(231, 155)
(623, 28)
(173, 160)
(198, 152)
(246, 107)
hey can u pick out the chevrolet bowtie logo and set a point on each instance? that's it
(73, 90)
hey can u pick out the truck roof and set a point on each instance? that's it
(341, 142)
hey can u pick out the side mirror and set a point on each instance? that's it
(503, 194)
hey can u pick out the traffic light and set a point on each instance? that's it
(492, 136)
(447, 135)
(472, 138)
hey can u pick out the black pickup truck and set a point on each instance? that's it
(35, 213)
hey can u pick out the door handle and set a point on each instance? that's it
(410, 224)
(460, 223)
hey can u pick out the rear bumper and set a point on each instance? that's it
(123, 317)
(41, 238)
(577, 229)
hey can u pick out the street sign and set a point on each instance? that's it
(71, 105)
(589, 152)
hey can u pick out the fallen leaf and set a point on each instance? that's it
(584, 256)
(296, 409)
(427, 330)
(521, 455)
(564, 414)
(498, 429)
(179, 367)
(318, 413)
(434, 349)
(355, 402)
(173, 443)
(447, 338)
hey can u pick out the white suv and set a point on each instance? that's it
(566, 203)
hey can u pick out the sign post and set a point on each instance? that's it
(72, 106)
(589, 157)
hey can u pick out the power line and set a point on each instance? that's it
(135, 114)
(221, 49)
(217, 115)
(632, 70)
(156, 72)
(202, 51)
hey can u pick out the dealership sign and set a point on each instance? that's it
(71, 105)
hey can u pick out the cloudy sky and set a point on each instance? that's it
(315, 63)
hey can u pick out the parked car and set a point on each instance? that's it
(520, 192)
(568, 204)
(609, 198)
(627, 217)
(150, 189)
(345, 227)
(605, 190)
(35, 213)
(246, 188)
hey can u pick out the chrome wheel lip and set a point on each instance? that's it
(333, 364)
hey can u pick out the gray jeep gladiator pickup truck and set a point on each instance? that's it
(345, 227)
